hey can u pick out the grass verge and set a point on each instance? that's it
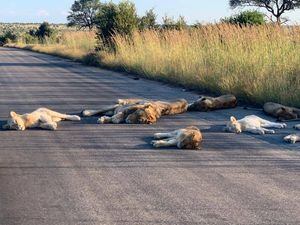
(257, 64)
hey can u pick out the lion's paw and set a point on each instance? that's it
(283, 125)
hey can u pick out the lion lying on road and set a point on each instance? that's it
(138, 111)
(41, 118)
(206, 103)
(188, 138)
(252, 124)
(293, 138)
(281, 112)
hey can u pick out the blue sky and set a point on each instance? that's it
(55, 11)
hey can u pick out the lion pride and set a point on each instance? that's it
(138, 111)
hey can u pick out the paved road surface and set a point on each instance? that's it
(86, 173)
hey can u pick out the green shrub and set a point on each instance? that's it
(44, 31)
(28, 38)
(8, 37)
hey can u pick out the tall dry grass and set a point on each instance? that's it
(258, 64)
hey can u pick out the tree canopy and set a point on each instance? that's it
(148, 21)
(114, 18)
(276, 7)
(83, 13)
(246, 18)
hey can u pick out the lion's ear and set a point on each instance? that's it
(13, 114)
(233, 119)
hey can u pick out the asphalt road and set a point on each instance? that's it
(91, 174)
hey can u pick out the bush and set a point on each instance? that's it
(8, 37)
(29, 38)
(246, 18)
(44, 31)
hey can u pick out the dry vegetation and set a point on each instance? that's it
(69, 44)
(19, 28)
(257, 64)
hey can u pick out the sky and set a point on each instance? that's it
(56, 11)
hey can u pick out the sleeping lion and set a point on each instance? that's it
(40, 118)
(138, 111)
(281, 112)
(293, 138)
(206, 103)
(187, 138)
(252, 124)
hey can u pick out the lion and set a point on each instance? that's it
(206, 103)
(281, 112)
(252, 124)
(41, 118)
(138, 111)
(187, 138)
(293, 138)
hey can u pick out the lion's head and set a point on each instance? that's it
(285, 113)
(147, 115)
(233, 126)
(15, 122)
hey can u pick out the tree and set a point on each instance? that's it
(116, 18)
(83, 13)
(148, 21)
(126, 18)
(246, 18)
(276, 7)
(105, 22)
(181, 23)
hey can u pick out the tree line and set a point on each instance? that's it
(110, 18)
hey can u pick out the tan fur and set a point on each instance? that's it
(252, 124)
(281, 112)
(207, 103)
(138, 111)
(188, 138)
(40, 118)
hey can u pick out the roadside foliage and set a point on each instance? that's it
(256, 63)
